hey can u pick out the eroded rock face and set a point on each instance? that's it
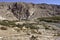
(29, 11)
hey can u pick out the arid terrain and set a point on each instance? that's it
(28, 21)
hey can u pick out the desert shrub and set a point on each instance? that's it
(30, 25)
(3, 28)
(39, 33)
(19, 26)
(53, 29)
(4, 23)
(33, 37)
(58, 34)
(24, 19)
(46, 27)
(34, 27)
(7, 23)
(11, 23)
(54, 19)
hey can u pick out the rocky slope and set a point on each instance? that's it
(20, 10)
(30, 31)
(39, 29)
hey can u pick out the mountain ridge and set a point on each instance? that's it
(21, 10)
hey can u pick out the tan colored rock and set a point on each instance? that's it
(16, 29)
(24, 28)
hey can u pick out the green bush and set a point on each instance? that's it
(7, 23)
(19, 26)
(31, 26)
(4, 23)
(54, 19)
(46, 27)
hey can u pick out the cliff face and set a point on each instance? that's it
(14, 11)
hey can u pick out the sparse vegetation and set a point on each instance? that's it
(12, 24)
(7, 23)
(39, 33)
(46, 27)
(58, 34)
(31, 26)
(54, 19)
(19, 26)
(53, 29)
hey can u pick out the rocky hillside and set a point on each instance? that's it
(18, 11)
(46, 27)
